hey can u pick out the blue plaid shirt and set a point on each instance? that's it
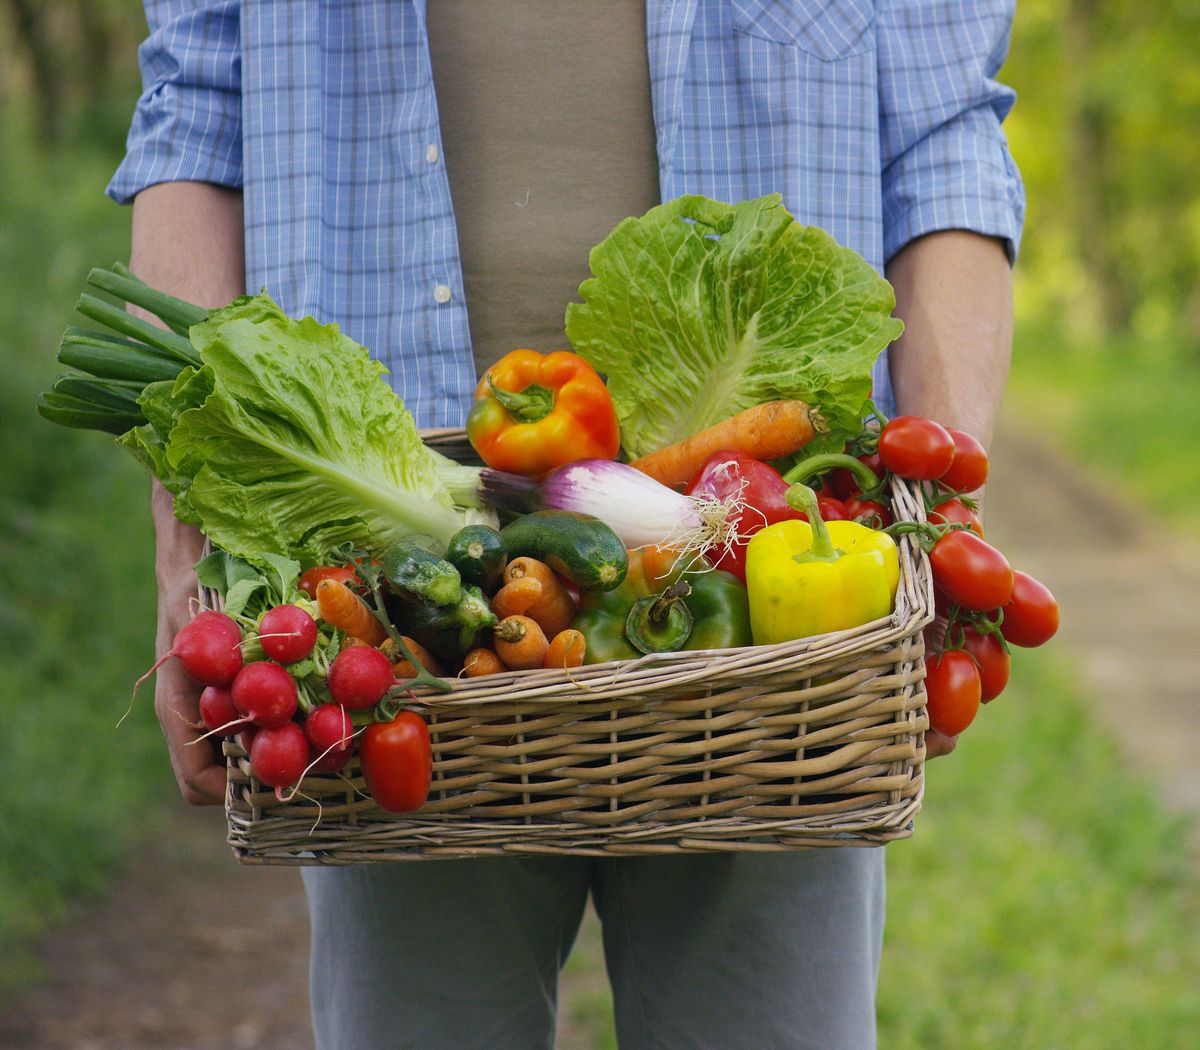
(878, 120)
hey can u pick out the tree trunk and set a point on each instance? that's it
(31, 26)
(1094, 199)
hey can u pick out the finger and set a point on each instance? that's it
(937, 744)
(200, 776)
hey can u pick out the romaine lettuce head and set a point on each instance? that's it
(288, 441)
(700, 309)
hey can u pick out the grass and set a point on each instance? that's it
(1044, 902)
(76, 572)
(1046, 899)
(1126, 408)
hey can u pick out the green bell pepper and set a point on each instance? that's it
(660, 608)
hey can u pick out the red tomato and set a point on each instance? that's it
(955, 511)
(397, 762)
(969, 468)
(875, 513)
(992, 661)
(1031, 615)
(971, 572)
(830, 509)
(916, 448)
(341, 573)
(952, 691)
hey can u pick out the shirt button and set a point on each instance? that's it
(431, 153)
(441, 293)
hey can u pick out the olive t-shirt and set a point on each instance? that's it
(548, 141)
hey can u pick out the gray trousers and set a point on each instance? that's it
(725, 951)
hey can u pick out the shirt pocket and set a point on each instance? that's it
(828, 31)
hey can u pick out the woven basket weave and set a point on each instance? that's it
(817, 742)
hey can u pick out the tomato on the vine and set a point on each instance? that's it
(916, 448)
(875, 513)
(969, 467)
(971, 572)
(1031, 614)
(954, 511)
(952, 691)
(991, 659)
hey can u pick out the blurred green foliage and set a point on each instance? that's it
(76, 550)
(1104, 132)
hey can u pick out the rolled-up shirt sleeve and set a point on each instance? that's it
(187, 126)
(945, 158)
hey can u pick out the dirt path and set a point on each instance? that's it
(1130, 596)
(164, 963)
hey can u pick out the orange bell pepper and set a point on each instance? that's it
(533, 413)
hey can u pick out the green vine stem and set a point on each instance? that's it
(870, 482)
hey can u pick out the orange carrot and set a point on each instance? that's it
(768, 431)
(351, 642)
(567, 649)
(517, 596)
(520, 643)
(481, 661)
(555, 610)
(341, 607)
(401, 668)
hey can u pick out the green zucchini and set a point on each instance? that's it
(414, 569)
(447, 631)
(479, 555)
(578, 546)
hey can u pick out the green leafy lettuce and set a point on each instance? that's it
(287, 441)
(700, 309)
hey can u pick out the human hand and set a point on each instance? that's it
(201, 777)
(937, 744)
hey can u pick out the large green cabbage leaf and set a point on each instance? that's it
(699, 309)
(288, 441)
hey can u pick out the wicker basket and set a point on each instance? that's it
(817, 742)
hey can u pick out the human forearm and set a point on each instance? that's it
(954, 294)
(187, 240)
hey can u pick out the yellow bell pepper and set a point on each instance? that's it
(807, 579)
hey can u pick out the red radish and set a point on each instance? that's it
(208, 648)
(326, 761)
(287, 633)
(359, 677)
(218, 713)
(265, 693)
(246, 737)
(279, 755)
(328, 726)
